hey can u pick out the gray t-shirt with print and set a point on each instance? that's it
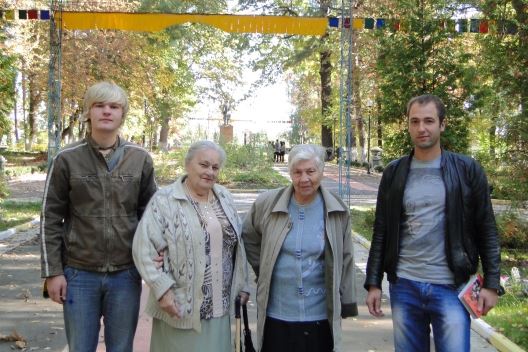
(422, 247)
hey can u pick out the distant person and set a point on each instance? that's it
(96, 191)
(434, 220)
(194, 224)
(277, 151)
(298, 241)
(282, 151)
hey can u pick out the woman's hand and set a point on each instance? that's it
(158, 260)
(168, 304)
(244, 297)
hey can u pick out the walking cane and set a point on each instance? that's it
(248, 343)
(237, 324)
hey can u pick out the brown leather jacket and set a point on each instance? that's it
(89, 214)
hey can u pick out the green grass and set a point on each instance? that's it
(17, 213)
(362, 221)
(510, 317)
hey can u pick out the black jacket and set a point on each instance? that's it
(470, 228)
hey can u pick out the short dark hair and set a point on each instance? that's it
(426, 99)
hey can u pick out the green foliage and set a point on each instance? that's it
(363, 221)
(16, 213)
(7, 88)
(422, 59)
(169, 166)
(4, 191)
(378, 168)
(513, 231)
(250, 166)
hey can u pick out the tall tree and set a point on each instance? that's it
(7, 88)
(422, 57)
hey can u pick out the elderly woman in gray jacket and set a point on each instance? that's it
(298, 241)
(194, 225)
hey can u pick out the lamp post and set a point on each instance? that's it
(369, 112)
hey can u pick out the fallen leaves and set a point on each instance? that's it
(20, 341)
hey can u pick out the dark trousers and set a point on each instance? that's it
(284, 336)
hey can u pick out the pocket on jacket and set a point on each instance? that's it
(85, 191)
(125, 194)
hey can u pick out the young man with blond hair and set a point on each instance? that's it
(96, 191)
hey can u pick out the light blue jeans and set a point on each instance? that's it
(417, 305)
(91, 295)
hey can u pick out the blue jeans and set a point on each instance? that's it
(417, 305)
(91, 295)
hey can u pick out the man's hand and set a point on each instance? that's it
(374, 301)
(167, 302)
(57, 288)
(487, 299)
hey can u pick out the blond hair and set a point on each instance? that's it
(104, 92)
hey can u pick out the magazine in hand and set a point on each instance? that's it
(470, 294)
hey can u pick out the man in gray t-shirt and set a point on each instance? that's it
(434, 221)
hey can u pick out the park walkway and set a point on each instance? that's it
(361, 333)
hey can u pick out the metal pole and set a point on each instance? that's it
(368, 145)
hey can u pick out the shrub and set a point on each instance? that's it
(513, 231)
(4, 192)
(378, 168)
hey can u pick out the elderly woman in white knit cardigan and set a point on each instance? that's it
(194, 225)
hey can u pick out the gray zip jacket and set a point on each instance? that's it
(90, 213)
(264, 230)
(171, 226)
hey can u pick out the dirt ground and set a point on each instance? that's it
(23, 310)
(28, 186)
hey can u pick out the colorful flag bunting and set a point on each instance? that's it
(395, 25)
(358, 23)
(10, 15)
(474, 25)
(483, 26)
(405, 25)
(255, 24)
(32, 14)
(44, 14)
(462, 25)
(369, 23)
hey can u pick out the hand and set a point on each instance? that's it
(167, 302)
(158, 261)
(57, 288)
(487, 299)
(244, 297)
(374, 301)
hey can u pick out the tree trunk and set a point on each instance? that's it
(356, 99)
(164, 133)
(34, 100)
(325, 73)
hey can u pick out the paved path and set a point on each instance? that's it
(361, 333)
